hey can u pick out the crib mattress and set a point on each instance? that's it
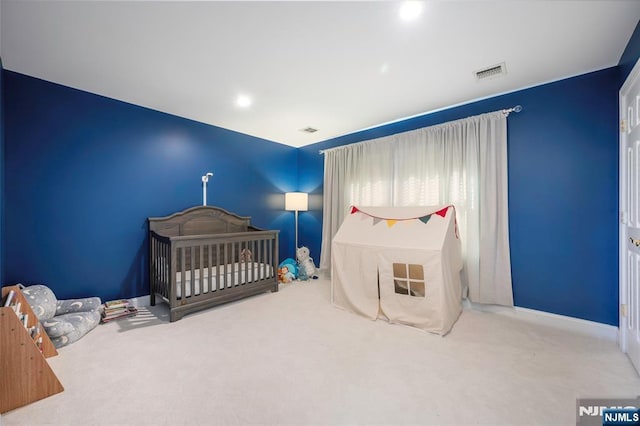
(236, 274)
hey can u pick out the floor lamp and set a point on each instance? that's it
(297, 202)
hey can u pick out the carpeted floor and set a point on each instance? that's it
(292, 358)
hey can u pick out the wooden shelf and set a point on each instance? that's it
(26, 375)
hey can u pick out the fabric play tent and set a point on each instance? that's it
(414, 254)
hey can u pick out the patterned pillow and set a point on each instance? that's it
(68, 328)
(78, 305)
(57, 327)
(64, 321)
(42, 301)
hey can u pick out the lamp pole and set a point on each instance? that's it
(296, 202)
(296, 214)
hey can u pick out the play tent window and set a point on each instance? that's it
(409, 279)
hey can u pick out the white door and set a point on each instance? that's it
(630, 216)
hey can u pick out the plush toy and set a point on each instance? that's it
(302, 274)
(284, 276)
(246, 255)
(287, 270)
(306, 267)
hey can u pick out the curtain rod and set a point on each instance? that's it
(506, 112)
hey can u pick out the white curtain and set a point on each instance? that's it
(462, 162)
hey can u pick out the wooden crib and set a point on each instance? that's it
(205, 256)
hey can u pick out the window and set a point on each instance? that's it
(409, 279)
(459, 163)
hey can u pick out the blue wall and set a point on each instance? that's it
(563, 191)
(83, 173)
(630, 55)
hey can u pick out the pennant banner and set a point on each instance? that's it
(443, 212)
(425, 219)
(390, 222)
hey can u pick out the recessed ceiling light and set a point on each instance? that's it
(243, 101)
(410, 10)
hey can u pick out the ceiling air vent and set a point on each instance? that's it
(309, 130)
(491, 72)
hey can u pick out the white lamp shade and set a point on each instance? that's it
(296, 201)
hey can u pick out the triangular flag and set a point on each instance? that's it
(425, 219)
(443, 212)
(391, 222)
(364, 216)
(376, 220)
(354, 209)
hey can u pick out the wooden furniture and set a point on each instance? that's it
(26, 375)
(205, 256)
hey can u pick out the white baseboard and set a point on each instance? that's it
(590, 328)
(140, 301)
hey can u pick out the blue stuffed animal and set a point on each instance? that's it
(287, 270)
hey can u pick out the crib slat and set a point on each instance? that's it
(239, 280)
(183, 281)
(267, 255)
(158, 275)
(252, 264)
(233, 265)
(192, 253)
(268, 259)
(154, 266)
(210, 278)
(274, 258)
(254, 259)
(248, 265)
(201, 269)
(218, 283)
(226, 262)
(268, 262)
(168, 280)
(255, 271)
(157, 270)
(242, 264)
(161, 267)
(247, 262)
(161, 255)
(171, 273)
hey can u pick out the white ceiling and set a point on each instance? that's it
(336, 66)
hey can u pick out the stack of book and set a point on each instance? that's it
(116, 309)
